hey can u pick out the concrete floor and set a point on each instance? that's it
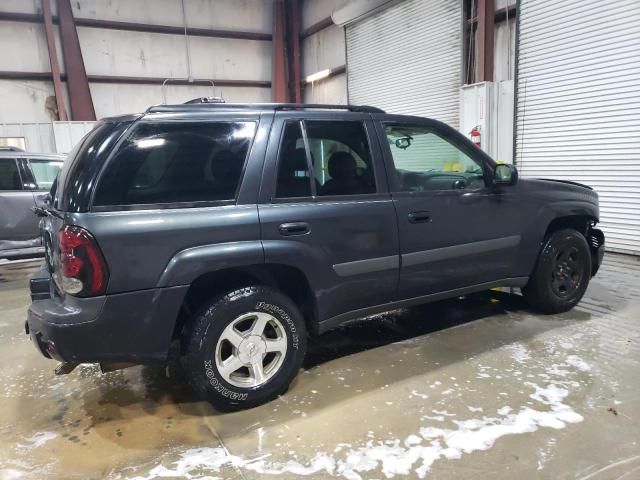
(478, 387)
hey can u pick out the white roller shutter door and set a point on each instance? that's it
(578, 112)
(408, 59)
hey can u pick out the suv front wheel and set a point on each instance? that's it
(245, 348)
(561, 276)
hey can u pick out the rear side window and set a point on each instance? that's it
(177, 162)
(44, 172)
(9, 175)
(338, 153)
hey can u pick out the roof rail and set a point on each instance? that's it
(199, 104)
(205, 100)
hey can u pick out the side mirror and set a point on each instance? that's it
(403, 143)
(505, 174)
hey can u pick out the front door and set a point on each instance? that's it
(456, 230)
(326, 210)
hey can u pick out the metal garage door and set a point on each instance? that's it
(578, 114)
(408, 59)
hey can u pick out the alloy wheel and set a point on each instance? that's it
(251, 349)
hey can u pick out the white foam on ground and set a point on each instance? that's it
(519, 352)
(37, 440)
(577, 362)
(414, 455)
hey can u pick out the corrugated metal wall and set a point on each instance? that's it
(408, 59)
(578, 112)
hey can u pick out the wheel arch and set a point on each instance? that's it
(289, 280)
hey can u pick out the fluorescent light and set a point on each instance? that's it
(314, 77)
(150, 142)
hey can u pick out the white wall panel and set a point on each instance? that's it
(110, 99)
(504, 41)
(332, 90)
(250, 15)
(160, 12)
(38, 136)
(24, 47)
(22, 6)
(408, 59)
(230, 58)
(325, 49)
(67, 134)
(24, 101)
(578, 111)
(122, 53)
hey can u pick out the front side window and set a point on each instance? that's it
(44, 172)
(339, 155)
(424, 161)
(9, 175)
(175, 162)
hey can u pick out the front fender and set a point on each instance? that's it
(569, 208)
(187, 265)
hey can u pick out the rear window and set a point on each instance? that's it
(177, 162)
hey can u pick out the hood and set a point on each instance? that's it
(565, 181)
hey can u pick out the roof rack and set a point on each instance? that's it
(206, 103)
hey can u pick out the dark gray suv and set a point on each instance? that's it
(229, 233)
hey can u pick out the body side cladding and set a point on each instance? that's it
(444, 253)
(338, 320)
(368, 265)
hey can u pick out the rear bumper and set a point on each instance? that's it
(128, 327)
(18, 253)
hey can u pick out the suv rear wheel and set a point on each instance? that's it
(562, 273)
(245, 347)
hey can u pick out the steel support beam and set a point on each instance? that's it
(77, 81)
(279, 90)
(484, 40)
(316, 27)
(53, 60)
(294, 23)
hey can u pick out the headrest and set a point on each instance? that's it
(342, 165)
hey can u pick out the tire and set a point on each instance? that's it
(561, 274)
(224, 336)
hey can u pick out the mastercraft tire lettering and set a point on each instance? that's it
(245, 347)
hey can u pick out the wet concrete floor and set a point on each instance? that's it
(477, 387)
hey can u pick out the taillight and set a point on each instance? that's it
(83, 271)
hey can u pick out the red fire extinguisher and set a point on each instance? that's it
(475, 135)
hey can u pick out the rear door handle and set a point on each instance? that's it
(419, 217)
(294, 228)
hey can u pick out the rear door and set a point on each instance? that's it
(325, 209)
(18, 224)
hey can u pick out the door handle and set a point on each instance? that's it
(419, 217)
(294, 228)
